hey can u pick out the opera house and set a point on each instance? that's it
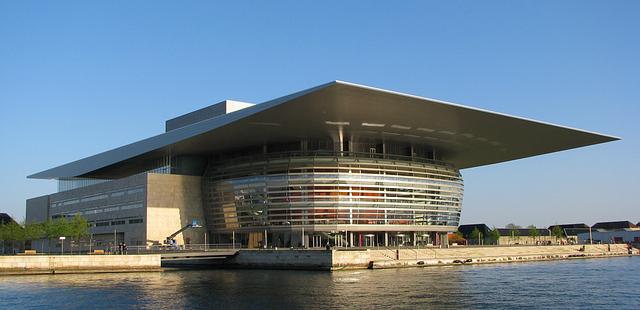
(339, 163)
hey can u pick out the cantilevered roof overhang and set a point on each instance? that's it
(464, 136)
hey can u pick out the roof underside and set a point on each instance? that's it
(464, 136)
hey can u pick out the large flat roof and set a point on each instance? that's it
(465, 136)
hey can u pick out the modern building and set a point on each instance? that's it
(339, 163)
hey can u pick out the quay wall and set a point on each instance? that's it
(283, 259)
(338, 259)
(49, 264)
(389, 258)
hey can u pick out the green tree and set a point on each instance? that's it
(557, 232)
(533, 233)
(494, 235)
(476, 235)
(3, 235)
(14, 233)
(54, 229)
(48, 233)
(78, 228)
(514, 232)
(32, 231)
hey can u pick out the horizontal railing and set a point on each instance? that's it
(364, 155)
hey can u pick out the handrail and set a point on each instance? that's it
(293, 154)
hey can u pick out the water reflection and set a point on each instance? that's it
(604, 283)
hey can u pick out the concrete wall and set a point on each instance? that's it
(391, 258)
(37, 209)
(284, 259)
(71, 263)
(527, 240)
(352, 259)
(173, 201)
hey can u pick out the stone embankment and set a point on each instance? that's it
(398, 258)
(54, 264)
(379, 258)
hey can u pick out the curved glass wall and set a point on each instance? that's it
(331, 188)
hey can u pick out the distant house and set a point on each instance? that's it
(5, 219)
(521, 236)
(571, 231)
(617, 225)
(612, 232)
(627, 235)
(467, 230)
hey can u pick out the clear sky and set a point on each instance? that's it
(79, 78)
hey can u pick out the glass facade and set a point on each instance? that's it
(319, 188)
(67, 184)
(162, 165)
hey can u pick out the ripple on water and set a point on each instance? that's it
(591, 283)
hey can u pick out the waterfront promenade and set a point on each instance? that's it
(382, 258)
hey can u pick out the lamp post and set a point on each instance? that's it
(62, 244)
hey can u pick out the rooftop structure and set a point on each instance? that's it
(339, 163)
(5, 219)
(619, 225)
(521, 231)
(568, 226)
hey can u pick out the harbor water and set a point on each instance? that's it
(606, 283)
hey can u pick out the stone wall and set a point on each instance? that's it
(173, 201)
(283, 259)
(352, 259)
(387, 258)
(77, 263)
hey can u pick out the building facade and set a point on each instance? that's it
(339, 164)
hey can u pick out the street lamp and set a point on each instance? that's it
(62, 243)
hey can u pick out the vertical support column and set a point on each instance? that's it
(414, 238)
(346, 238)
(266, 242)
(386, 236)
(351, 239)
(384, 150)
(444, 239)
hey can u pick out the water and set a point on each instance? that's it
(611, 283)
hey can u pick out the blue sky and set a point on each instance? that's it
(78, 78)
